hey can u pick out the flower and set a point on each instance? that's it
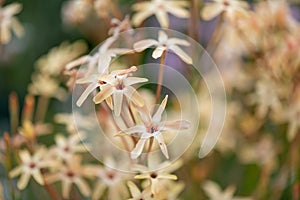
(8, 21)
(157, 176)
(214, 192)
(66, 147)
(101, 59)
(119, 26)
(117, 84)
(164, 44)
(153, 127)
(71, 173)
(232, 9)
(137, 194)
(31, 165)
(30, 131)
(159, 8)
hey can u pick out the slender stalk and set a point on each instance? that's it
(160, 76)
(14, 112)
(42, 108)
(194, 26)
(212, 44)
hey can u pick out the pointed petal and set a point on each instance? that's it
(176, 125)
(98, 190)
(134, 96)
(109, 102)
(134, 80)
(118, 101)
(162, 18)
(89, 79)
(25, 156)
(158, 51)
(86, 93)
(103, 63)
(66, 189)
(136, 152)
(83, 187)
(178, 41)
(142, 176)
(144, 44)
(157, 116)
(162, 144)
(78, 62)
(22, 183)
(103, 94)
(179, 52)
(139, 17)
(129, 131)
(167, 176)
(38, 177)
(177, 11)
(211, 10)
(134, 190)
(15, 172)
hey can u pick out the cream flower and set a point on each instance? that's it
(214, 192)
(71, 173)
(8, 21)
(31, 165)
(137, 194)
(119, 26)
(153, 127)
(117, 84)
(159, 8)
(232, 9)
(164, 44)
(66, 147)
(101, 59)
(31, 131)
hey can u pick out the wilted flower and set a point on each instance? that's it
(9, 21)
(214, 192)
(153, 127)
(159, 8)
(232, 9)
(31, 165)
(164, 44)
(137, 194)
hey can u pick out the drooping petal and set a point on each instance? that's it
(83, 187)
(158, 51)
(103, 94)
(38, 177)
(118, 101)
(211, 10)
(5, 33)
(144, 44)
(162, 18)
(22, 183)
(134, 80)
(133, 96)
(179, 52)
(162, 144)
(136, 152)
(86, 93)
(157, 116)
(176, 125)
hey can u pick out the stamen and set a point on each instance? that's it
(127, 71)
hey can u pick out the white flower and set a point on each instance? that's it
(164, 44)
(8, 21)
(137, 194)
(153, 127)
(159, 8)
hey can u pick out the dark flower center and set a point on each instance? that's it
(110, 175)
(32, 165)
(70, 174)
(153, 175)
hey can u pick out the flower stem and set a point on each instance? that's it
(42, 108)
(160, 76)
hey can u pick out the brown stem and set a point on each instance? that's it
(14, 112)
(194, 26)
(41, 109)
(160, 76)
(212, 44)
(51, 190)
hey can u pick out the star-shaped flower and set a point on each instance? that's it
(164, 44)
(137, 194)
(232, 9)
(159, 8)
(153, 127)
(8, 21)
(31, 165)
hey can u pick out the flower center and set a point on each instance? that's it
(66, 149)
(110, 175)
(226, 3)
(32, 165)
(153, 175)
(152, 129)
(70, 174)
(120, 85)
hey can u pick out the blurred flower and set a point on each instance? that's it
(170, 190)
(119, 26)
(214, 192)
(8, 21)
(137, 194)
(292, 115)
(117, 84)
(159, 8)
(157, 176)
(54, 62)
(164, 44)
(153, 127)
(31, 131)
(71, 173)
(31, 165)
(232, 9)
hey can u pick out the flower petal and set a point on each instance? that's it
(103, 63)
(134, 190)
(177, 11)
(78, 62)
(105, 92)
(22, 183)
(25, 156)
(176, 125)
(86, 93)
(139, 17)
(144, 44)
(134, 80)
(134, 96)
(83, 187)
(211, 10)
(135, 129)
(66, 189)
(162, 18)
(167, 176)
(118, 101)
(136, 152)
(38, 177)
(162, 36)
(178, 41)
(157, 116)
(15, 172)
(179, 52)
(158, 51)
(162, 144)
(98, 190)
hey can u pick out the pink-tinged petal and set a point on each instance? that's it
(139, 17)
(158, 51)
(38, 177)
(177, 11)
(211, 10)
(66, 189)
(83, 187)
(78, 62)
(103, 94)
(25, 156)
(15, 172)
(157, 116)
(162, 36)
(86, 93)
(118, 101)
(98, 190)
(176, 125)
(144, 44)
(178, 41)
(162, 144)
(167, 176)
(136, 152)
(22, 183)
(179, 52)
(162, 18)
(135, 129)
(133, 96)
(134, 80)
(134, 190)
